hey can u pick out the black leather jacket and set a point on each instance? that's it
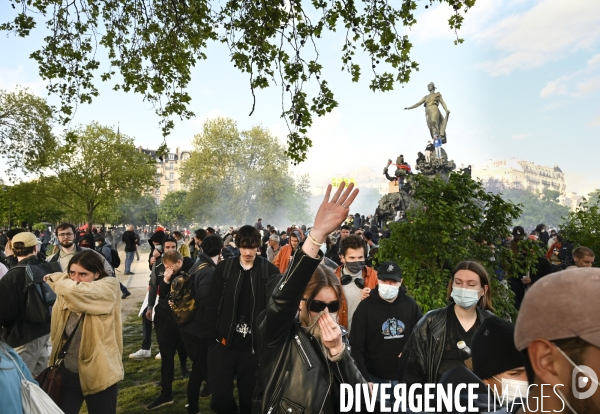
(294, 375)
(425, 347)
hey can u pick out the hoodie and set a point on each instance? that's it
(380, 330)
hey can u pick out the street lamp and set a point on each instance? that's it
(9, 207)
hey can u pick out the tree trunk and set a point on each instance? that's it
(90, 219)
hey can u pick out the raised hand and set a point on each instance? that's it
(333, 212)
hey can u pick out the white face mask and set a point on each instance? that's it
(98, 243)
(388, 292)
(465, 298)
(513, 388)
(594, 380)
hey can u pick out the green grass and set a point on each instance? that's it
(137, 390)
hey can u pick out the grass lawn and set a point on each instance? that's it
(137, 390)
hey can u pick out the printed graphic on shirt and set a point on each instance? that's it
(243, 328)
(392, 329)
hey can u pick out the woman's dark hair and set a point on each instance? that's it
(248, 237)
(64, 226)
(322, 277)
(90, 260)
(485, 302)
(212, 245)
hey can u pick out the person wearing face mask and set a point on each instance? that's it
(304, 354)
(357, 278)
(558, 334)
(497, 362)
(381, 326)
(442, 338)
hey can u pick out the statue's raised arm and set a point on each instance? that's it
(436, 122)
(421, 102)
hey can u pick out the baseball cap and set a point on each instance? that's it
(518, 231)
(27, 238)
(389, 271)
(368, 235)
(560, 306)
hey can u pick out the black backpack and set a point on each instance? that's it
(115, 260)
(39, 296)
(565, 254)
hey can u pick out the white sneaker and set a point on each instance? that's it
(141, 354)
(157, 356)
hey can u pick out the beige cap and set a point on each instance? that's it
(560, 306)
(27, 238)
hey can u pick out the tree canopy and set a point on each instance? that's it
(452, 221)
(102, 168)
(26, 122)
(152, 46)
(582, 225)
(236, 176)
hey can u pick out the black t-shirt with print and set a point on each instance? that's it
(242, 340)
(452, 356)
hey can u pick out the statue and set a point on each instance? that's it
(435, 120)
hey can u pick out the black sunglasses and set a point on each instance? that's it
(319, 306)
(359, 281)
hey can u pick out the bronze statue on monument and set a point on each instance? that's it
(436, 122)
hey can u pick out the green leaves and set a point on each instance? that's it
(26, 138)
(236, 176)
(153, 46)
(451, 221)
(581, 226)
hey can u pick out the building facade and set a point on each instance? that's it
(522, 174)
(168, 172)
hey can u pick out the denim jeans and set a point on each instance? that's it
(128, 260)
(389, 391)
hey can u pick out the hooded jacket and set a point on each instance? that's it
(282, 260)
(380, 329)
(370, 276)
(101, 348)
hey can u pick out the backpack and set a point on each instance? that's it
(183, 296)
(565, 254)
(115, 260)
(40, 298)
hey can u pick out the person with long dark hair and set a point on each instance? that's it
(304, 354)
(88, 307)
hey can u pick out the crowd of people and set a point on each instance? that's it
(287, 316)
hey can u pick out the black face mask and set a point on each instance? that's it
(355, 267)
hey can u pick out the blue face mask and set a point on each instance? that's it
(465, 298)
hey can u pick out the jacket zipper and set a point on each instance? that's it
(277, 391)
(330, 379)
(253, 307)
(290, 271)
(303, 353)
(234, 307)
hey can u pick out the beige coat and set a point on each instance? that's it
(101, 349)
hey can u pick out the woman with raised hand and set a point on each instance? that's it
(304, 353)
(88, 308)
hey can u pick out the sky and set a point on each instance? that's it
(522, 85)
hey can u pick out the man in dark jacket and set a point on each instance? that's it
(167, 330)
(334, 253)
(196, 335)
(27, 338)
(130, 240)
(381, 327)
(237, 295)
